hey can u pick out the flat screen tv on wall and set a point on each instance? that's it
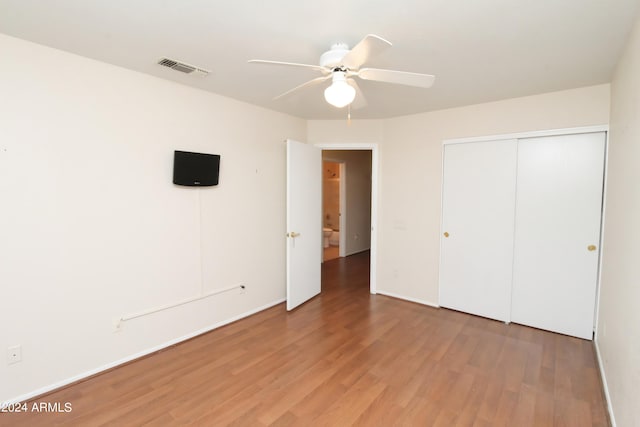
(195, 169)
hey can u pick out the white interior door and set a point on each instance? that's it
(478, 203)
(304, 222)
(558, 215)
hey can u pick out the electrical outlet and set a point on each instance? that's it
(14, 354)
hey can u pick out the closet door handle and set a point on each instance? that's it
(446, 234)
(591, 248)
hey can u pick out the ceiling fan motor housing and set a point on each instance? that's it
(333, 57)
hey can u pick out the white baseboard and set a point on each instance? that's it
(51, 387)
(418, 301)
(605, 386)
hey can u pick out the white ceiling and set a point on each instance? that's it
(480, 51)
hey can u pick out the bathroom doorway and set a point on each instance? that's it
(347, 202)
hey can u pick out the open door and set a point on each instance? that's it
(304, 222)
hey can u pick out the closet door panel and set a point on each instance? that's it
(557, 232)
(477, 216)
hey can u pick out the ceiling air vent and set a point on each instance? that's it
(182, 67)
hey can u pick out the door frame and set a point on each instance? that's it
(374, 200)
(553, 132)
(342, 220)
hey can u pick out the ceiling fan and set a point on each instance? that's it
(342, 65)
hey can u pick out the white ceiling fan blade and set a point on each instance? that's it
(369, 46)
(397, 77)
(323, 70)
(303, 85)
(359, 101)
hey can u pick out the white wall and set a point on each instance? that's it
(411, 171)
(358, 189)
(341, 131)
(91, 227)
(618, 337)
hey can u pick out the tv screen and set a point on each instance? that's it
(195, 169)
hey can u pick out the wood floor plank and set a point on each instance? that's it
(290, 394)
(420, 411)
(346, 358)
(525, 407)
(352, 404)
(473, 403)
(383, 411)
(506, 406)
(543, 410)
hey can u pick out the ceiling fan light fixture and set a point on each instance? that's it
(340, 93)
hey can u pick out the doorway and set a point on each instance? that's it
(356, 181)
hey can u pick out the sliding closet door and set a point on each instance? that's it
(477, 227)
(557, 234)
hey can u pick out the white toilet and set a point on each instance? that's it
(334, 239)
(326, 233)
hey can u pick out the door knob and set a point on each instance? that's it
(591, 248)
(446, 234)
(293, 234)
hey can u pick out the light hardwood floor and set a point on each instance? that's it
(347, 358)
